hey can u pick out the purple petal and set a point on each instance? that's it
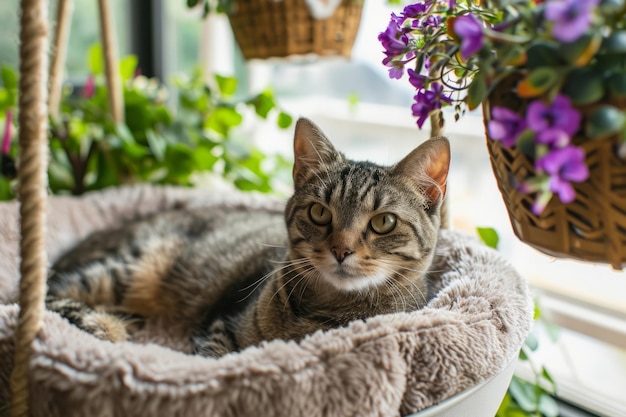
(418, 81)
(553, 136)
(396, 72)
(470, 30)
(505, 126)
(559, 114)
(563, 188)
(571, 18)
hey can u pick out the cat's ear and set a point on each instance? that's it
(311, 149)
(427, 166)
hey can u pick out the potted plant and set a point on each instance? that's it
(181, 142)
(551, 78)
(277, 28)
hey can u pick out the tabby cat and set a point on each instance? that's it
(359, 240)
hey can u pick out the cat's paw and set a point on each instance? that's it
(105, 326)
(215, 343)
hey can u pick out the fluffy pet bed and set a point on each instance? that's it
(385, 366)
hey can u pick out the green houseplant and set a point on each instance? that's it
(160, 143)
(551, 77)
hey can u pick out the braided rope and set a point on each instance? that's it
(33, 122)
(109, 46)
(61, 36)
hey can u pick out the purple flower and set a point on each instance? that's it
(505, 125)
(394, 39)
(418, 81)
(436, 95)
(432, 21)
(414, 11)
(560, 115)
(396, 70)
(554, 137)
(470, 30)
(421, 109)
(564, 165)
(571, 18)
(428, 100)
(6, 138)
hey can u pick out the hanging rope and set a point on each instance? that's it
(33, 138)
(61, 36)
(109, 46)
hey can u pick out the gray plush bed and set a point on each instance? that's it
(386, 366)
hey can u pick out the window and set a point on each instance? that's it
(368, 116)
(588, 358)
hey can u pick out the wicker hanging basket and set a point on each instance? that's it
(280, 28)
(593, 226)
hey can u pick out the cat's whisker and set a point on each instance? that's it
(412, 284)
(270, 245)
(291, 279)
(287, 264)
(265, 277)
(304, 277)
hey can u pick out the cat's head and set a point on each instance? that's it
(359, 224)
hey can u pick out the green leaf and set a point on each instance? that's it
(548, 377)
(6, 192)
(95, 59)
(581, 51)
(128, 66)
(223, 119)
(536, 312)
(615, 43)
(616, 84)
(489, 236)
(525, 142)
(106, 173)
(157, 144)
(180, 163)
(226, 85)
(284, 120)
(264, 103)
(124, 133)
(9, 78)
(584, 86)
(522, 355)
(538, 82)
(548, 406)
(605, 121)
(204, 157)
(609, 7)
(524, 394)
(477, 92)
(193, 3)
(543, 54)
(532, 342)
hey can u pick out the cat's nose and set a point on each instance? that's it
(340, 253)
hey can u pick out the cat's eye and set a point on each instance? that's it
(383, 223)
(320, 214)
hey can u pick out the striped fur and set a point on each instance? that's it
(240, 276)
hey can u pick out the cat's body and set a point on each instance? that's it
(359, 241)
